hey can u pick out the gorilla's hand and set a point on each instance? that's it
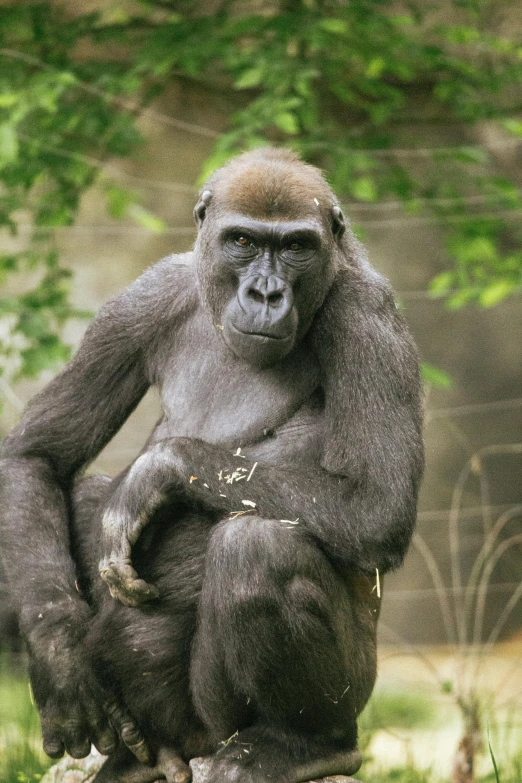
(123, 520)
(74, 710)
(155, 475)
(124, 583)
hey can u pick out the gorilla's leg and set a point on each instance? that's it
(284, 660)
(144, 654)
(142, 658)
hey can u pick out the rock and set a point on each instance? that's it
(70, 770)
(199, 769)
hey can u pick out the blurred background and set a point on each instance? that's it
(111, 115)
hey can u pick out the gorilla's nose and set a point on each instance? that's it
(268, 297)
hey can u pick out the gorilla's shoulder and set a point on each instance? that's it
(170, 284)
(175, 268)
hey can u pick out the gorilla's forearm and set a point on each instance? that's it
(367, 524)
(363, 524)
(35, 546)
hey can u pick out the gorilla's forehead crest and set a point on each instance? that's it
(271, 183)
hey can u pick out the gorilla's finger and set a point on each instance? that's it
(75, 737)
(103, 735)
(129, 732)
(105, 739)
(125, 585)
(52, 744)
(173, 767)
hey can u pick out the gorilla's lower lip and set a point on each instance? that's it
(263, 335)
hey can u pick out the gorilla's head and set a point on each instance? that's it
(268, 248)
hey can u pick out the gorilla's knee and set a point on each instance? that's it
(303, 595)
(265, 565)
(243, 531)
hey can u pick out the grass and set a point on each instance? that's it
(23, 761)
(396, 709)
(21, 757)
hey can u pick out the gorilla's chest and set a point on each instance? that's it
(207, 393)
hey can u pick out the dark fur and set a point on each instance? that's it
(262, 627)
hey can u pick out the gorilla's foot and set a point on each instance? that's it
(257, 759)
(123, 767)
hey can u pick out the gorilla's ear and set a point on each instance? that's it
(338, 226)
(370, 378)
(201, 207)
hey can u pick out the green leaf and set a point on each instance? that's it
(435, 376)
(8, 99)
(473, 250)
(441, 284)
(375, 67)
(513, 126)
(118, 200)
(402, 20)
(493, 759)
(337, 26)
(460, 298)
(8, 144)
(364, 189)
(287, 122)
(496, 292)
(146, 219)
(50, 352)
(250, 78)
(470, 155)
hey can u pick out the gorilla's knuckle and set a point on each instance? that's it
(106, 745)
(130, 734)
(73, 727)
(115, 712)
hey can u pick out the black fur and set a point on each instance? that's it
(275, 337)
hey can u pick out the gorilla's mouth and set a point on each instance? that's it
(261, 335)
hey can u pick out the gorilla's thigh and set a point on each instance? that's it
(276, 634)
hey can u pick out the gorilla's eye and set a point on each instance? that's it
(240, 246)
(295, 247)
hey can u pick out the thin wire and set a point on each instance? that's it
(466, 513)
(127, 105)
(108, 167)
(422, 152)
(109, 228)
(163, 185)
(408, 222)
(422, 591)
(479, 407)
(439, 202)
(420, 221)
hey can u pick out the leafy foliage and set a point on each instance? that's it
(339, 82)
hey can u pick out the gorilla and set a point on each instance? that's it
(244, 548)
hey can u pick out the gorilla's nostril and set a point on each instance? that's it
(257, 296)
(275, 299)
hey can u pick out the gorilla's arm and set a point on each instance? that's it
(63, 429)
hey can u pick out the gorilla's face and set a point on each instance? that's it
(266, 256)
(270, 268)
